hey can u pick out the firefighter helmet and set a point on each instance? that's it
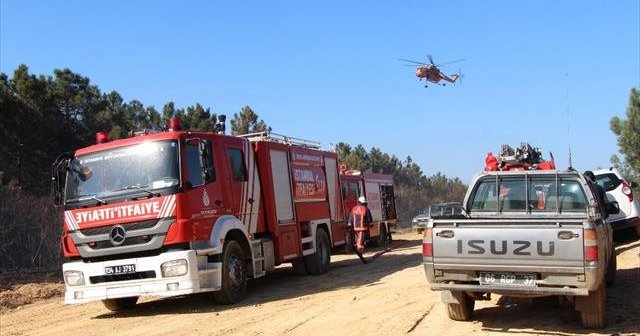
(362, 200)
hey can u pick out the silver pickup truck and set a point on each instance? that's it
(526, 234)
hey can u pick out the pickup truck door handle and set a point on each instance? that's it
(567, 235)
(445, 234)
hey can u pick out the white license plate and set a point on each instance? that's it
(519, 279)
(120, 269)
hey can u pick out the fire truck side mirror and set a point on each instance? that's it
(59, 170)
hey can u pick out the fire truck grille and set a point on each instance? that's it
(129, 226)
(122, 238)
(128, 241)
(122, 277)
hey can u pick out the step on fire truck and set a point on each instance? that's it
(181, 212)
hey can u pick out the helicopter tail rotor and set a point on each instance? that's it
(460, 75)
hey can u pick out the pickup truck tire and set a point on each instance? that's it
(461, 311)
(234, 274)
(611, 270)
(595, 316)
(319, 262)
(120, 304)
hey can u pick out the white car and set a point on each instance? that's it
(620, 190)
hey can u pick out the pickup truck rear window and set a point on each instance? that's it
(535, 194)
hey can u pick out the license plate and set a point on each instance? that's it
(518, 279)
(120, 269)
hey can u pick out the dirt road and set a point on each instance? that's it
(389, 296)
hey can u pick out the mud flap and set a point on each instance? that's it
(583, 304)
(451, 297)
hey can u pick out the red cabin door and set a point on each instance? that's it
(244, 182)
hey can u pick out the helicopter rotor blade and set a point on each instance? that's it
(410, 61)
(430, 59)
(458, 60)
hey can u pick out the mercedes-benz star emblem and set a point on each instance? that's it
(117, 235)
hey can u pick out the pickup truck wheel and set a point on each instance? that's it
(120, 304)
(595, 316)
(611, 270)
(320, 260)
(234, 270)
(461, 311)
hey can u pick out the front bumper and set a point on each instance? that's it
(201, 276)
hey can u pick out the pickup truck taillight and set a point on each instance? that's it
(590, 245)
(427, 243)
(627, 190)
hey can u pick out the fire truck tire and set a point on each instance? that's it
(461, 311)
(320, 260)
(383, 236)
(349, 239)
(611, 270)
(594, 316)
(120, 303)
(234, 278)
(298, 267)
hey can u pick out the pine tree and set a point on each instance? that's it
(628, 133)
(246, 121)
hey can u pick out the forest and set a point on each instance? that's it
(45, 115)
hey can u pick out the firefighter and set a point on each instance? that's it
(360, 220)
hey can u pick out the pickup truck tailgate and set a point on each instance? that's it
(508, 245)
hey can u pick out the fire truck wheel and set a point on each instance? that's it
(320, 260)
(298, 267)
(234, 279)
(383, 236)
(349, 245)
(120, 304)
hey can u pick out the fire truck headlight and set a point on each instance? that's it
(174, 268)
(74, 278)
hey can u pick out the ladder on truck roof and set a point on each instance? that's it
(275, 137)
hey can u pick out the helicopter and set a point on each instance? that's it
(431, 72)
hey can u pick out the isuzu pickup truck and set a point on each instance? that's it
(527, 233)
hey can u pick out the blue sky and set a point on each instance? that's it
(552, 73)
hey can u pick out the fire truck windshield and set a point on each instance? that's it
(139, 168)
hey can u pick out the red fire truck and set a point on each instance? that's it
(378, 191)
(180, 212)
